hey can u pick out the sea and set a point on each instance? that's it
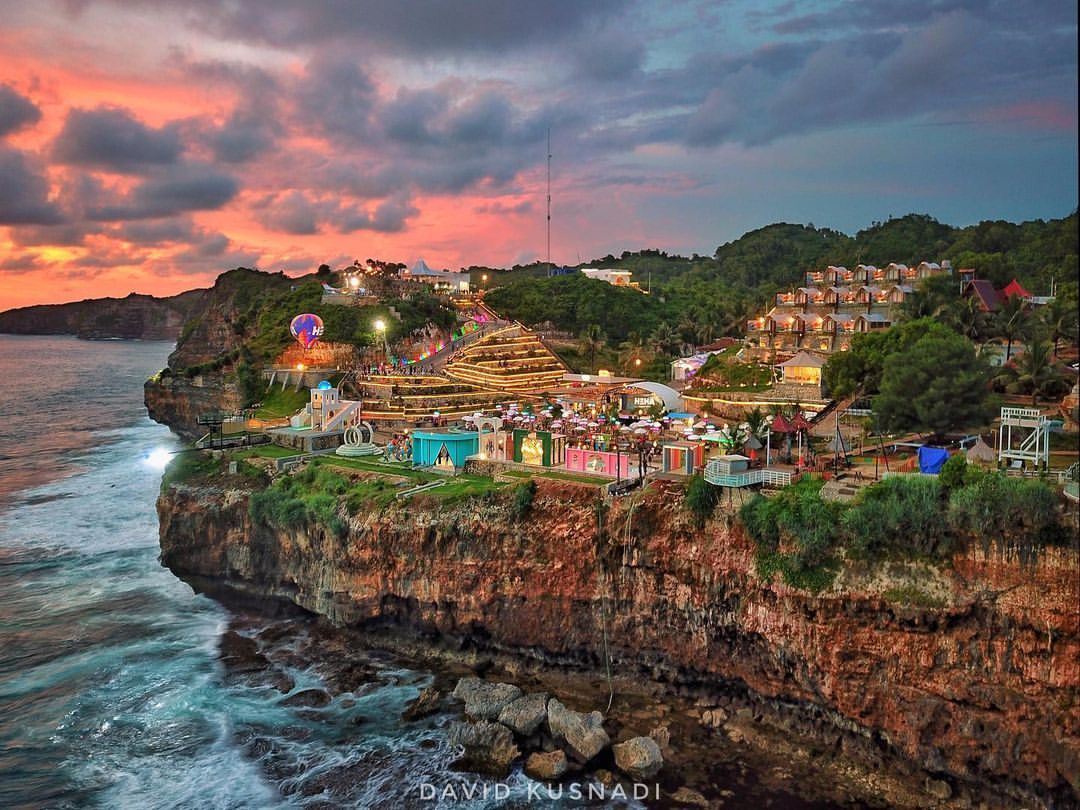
(113, 688)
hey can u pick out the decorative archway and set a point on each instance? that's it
(492, 447)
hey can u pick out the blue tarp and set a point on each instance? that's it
(931, 459)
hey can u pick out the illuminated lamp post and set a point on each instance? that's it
(354, 283)
(380, 327)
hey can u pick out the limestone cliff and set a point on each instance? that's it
(982, 690)
(136, 317)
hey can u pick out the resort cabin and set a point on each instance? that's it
(802, 369)
(613, 276)
(809, 295)
(441, 280)
(815, 277)
(871, 295)
(871, 322)
(899, 292)
(776, 322)
(838, 323)
(835, 296)
(755, 324)
(785, 299)
(809, 322)
(838, 275)
(894, 272)
(864, 273)
(926, 269)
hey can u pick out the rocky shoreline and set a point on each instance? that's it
(735, 667)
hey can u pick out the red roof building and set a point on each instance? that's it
(989, 299)
(1015, 288)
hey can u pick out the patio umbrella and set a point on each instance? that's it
(640, 432)
(701, 424)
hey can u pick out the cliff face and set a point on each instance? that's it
(984, 689)
(136, 317)
(178, 401)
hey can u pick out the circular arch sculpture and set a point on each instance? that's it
(358, 441)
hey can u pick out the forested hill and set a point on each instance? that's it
(139, 317)
(742, 275)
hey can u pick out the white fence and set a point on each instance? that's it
(765, 477)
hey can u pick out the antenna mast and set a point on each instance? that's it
(549, 200)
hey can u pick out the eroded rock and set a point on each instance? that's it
(484, 700)
(525, 714)
(426, 703)
(546, 767)
(582, 735)
(488, 748)
(639, 758)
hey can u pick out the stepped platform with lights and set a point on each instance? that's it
(418, 397)
(512, 360)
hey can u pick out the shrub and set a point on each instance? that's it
(1016, 516)
(900, 516)
(522, 502)
(701, 499)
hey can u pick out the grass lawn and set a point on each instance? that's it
(560, 476)
(264, 451)
(277, 404)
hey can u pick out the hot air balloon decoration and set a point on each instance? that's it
(307, 329)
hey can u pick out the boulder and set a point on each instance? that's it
(582, 735)
(427, 702)
(484, 700)
(639, 758)
(713, 718)
(488, 748)
(938, 788)
(662, 735)
(308, 698)
(525, 714)
(685, 795)
(546, 767)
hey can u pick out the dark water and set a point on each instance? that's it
(113, 692)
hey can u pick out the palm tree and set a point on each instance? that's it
(755, 421)
(665, 340)
(705, 331)
(1060, 319)
(1033, 371)
(1009, 321)
(688, 324)
(633, 351)
(592, 343)
(969, 319)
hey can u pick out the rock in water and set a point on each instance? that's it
(310, 698)
(583, 734)
(639, 758)
(427, 702)
(525, 714)
(488, 747)
(484, 700)
(546, 767)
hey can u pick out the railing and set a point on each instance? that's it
(764, 476)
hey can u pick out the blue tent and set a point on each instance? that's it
(931, 459)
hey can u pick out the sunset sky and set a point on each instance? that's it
(148, 146)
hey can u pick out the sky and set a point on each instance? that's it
(148, 146)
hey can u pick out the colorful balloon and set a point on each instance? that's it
(307, 329)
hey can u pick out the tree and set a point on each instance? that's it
(858, 370)
(1059, 317)
(1033, 373)
(665, 340)
(931, 299)
(968, 318)
(936, 386)
(1017, 516)
(592, 343)
(1009, 321)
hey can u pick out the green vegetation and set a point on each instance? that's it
(522, 502)
(701, 499)
(723, 372)
(913, 596)
(278, 403)
(936, 386)
(902, 518)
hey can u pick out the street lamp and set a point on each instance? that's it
(354, 282)
(380, 327)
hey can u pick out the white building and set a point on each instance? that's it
(440, 279)
(612, 275)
